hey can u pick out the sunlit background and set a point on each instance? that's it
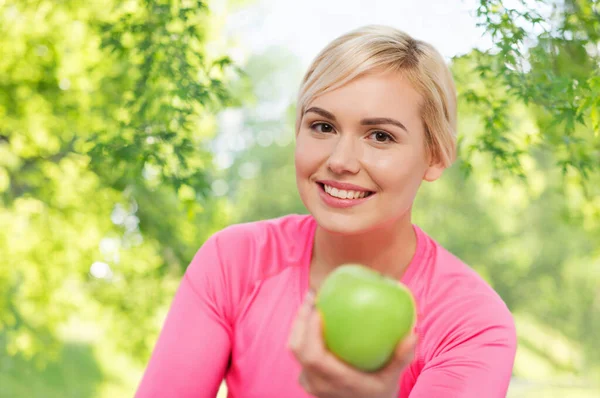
(130, 131)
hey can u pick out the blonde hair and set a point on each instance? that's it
(382, 48)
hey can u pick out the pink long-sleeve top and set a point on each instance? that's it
(232, 314)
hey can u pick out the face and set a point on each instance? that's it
(360, 154)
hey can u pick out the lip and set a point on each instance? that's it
(343, 185)
(341, 203)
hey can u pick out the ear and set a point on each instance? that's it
(433, 172)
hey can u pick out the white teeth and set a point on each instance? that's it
(344, 194)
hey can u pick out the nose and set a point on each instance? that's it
(344, 157)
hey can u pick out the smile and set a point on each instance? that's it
(345, 194)
(342, 195)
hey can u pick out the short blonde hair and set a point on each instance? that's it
(382, 48)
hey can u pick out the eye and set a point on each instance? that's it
(382, 136)
(322, 127)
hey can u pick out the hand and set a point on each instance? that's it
(325, 376)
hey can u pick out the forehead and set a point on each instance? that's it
(383, 94)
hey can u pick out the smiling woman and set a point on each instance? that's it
(368, 132)
(376, 118)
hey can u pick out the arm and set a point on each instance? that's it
(476, 361)
(192, 351)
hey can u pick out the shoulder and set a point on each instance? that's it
(229, 264)
(248, 251)
(292, 224)
(443, 278)
(457, 304)
(283, 233)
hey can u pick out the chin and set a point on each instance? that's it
(344, 224)
(341, 222)
(357, 222)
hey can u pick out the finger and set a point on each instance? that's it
(304, 382)
(312, 347)
(406, 349)
(319, 366)
(319, 362)
(300, 322)
(403, 356)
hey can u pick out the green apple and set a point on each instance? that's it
(365, 315)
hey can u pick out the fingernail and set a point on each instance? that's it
(310, 299)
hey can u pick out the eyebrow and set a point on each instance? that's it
(322, 112)
(383, 120)
(365, 122)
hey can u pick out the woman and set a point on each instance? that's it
(376, 117)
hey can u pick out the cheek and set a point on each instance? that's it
(308, 155)
(299, 155)
(396, 170)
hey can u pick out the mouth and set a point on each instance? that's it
(348, 194)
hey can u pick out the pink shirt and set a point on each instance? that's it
(232, 315)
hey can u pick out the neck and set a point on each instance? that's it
(388, 249)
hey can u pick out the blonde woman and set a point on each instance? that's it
(376, 117)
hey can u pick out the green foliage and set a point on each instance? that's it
(165, 85)
(78, 375)
(105, 110)
(545, 54)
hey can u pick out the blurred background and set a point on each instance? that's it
(130, 131)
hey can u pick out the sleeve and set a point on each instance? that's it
(192, 351)
(475, 358)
